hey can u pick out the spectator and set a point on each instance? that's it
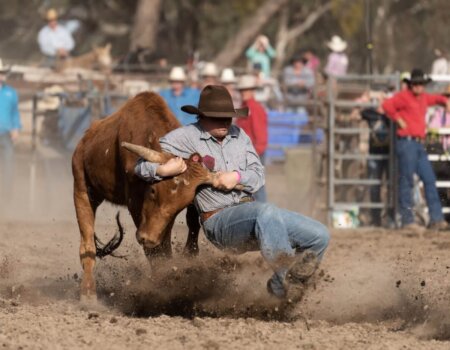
(255, 125)
(228, 79)
(179, 94)
(9, 132)
(260, 55)
(378, 146)
(55, 41)
(337, 61)
(209, 74)
(298, 81)
(408, 109)
(312, 61)
(440, 64)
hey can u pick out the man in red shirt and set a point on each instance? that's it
(408, 108)
(255, 125)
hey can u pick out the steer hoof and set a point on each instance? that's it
(90, 303)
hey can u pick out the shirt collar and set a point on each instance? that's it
(204, 135)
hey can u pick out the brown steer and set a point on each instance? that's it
(103, 170)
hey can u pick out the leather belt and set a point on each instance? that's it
(411, 138)
(207, 214)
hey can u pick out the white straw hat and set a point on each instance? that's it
(210, 70)
(227, 76)
(336, 44)
(247, 82)
(51, 15)
(3, 68)
(177, 74)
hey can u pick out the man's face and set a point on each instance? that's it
(417, 89)
(217, 127)
(177, 86)
(53, 23)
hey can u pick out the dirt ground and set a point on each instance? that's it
(376, 289)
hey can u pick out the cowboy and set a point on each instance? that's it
(255, 125)
(55, 41)
(9, 131)
(231, 219)
(408, 109)
(179, 94)
(337, 61)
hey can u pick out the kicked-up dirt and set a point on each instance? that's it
(376, 289)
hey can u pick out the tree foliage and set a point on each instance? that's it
(405, 32)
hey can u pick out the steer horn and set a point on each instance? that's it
(144, 152)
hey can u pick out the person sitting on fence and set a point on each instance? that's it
(337, 60)
(261, 53)
(255, 125)
(298, 82)
(9, 132)
(55, 41)
(312, 61)
(179, 94)
(408, 109)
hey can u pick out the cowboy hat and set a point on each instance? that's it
(177, 74)
(210, 70)
(51, 15)
(227, 76)
(247, 82)
(336, 44)
(4, 69)
(418, 77)
(215, 102)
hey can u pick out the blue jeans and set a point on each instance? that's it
(261, 194)
(6, 166)
(278, 233)
(412, 158)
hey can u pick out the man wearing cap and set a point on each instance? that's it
(54, 40)
(255, 125)
(408, 109)
(9, 131)
(231, 219)
(179, 94)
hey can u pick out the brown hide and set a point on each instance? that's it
(98, 58)
(105, 171)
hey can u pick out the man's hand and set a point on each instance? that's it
(14, 134)
(173, 167)
(62, 52)
(401, 123)
(226, 181)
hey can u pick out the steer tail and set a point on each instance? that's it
(103, 250)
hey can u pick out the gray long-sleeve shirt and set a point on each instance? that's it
(235, 153)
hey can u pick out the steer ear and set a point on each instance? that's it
(146, 153)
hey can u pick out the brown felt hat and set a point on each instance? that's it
(215, 102)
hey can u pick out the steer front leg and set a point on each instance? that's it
(85, 211)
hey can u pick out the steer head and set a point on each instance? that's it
(163, 200)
